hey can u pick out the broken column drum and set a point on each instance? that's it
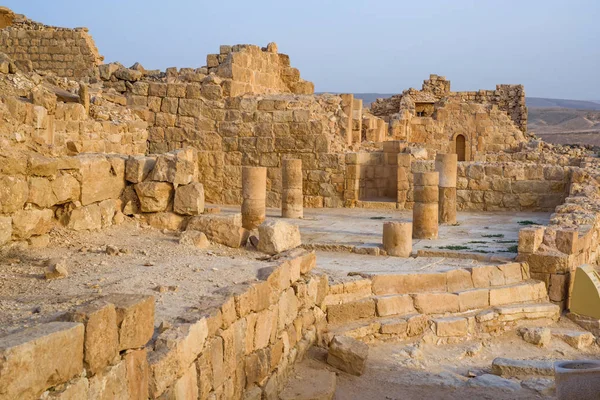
(291, 194)
(254, 196)
(447, 166)
(425, 209)
(397, 238)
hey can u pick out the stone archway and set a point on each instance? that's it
(461, 147)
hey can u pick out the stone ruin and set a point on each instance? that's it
(86, 145)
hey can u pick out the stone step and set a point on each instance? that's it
(461, 325)
(451, 281)
(508, 367)
(307, 382)
(436, 302)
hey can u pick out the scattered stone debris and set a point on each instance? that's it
(576, 339)
(537, 336)
(56, 269)
(194, 238)
(348, 354)
(112, 250)
(278, 236)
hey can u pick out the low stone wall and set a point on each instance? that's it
(572, 237)
(65, 52)
(90, 191)
(242, 348)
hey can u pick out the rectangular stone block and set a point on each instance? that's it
(101, 343)
(135, 319)
(39, 358)
(451, 326)
(530, 239)
(436, 303)
(394, 305)
(409, 283)
(341, 313)
(473, 299)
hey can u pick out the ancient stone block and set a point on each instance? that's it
(135, 319)
(222, 229)
(110, 383)
(347, 312)
(39, 358)
(530, 239)
(137, 168)
(101, 178)
(278, 236)
(473, 299)
(394, 305)
(85, 218)
(189, 199)
(451, 326)
(397, 238)
(14, 192)
(154, 196)
(5, 230)
(348, 355)
(194, 238)
(101, 341)
(537, 336)
(27, 223)
(66, 189)
(436, 303)
(136, 363)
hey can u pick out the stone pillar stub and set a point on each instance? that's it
(397, 238)
(254, 196)
(425, 209)
(447, 166)
(292, 197)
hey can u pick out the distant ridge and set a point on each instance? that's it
(533, 102)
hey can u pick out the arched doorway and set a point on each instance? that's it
(461, 148)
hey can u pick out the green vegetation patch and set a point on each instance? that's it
(497, 235)
(454, 247)
(527, 222)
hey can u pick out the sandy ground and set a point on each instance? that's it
(415, 370)
(192, 279)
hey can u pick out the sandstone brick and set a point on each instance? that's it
(135, 319)
(101, 341)
(278, 236)
(101, 178)
(137, 168)
(408, 283)
(342, 313)
(14, 192)
(348, 354)
(436, 303)
(451, 326)
(41, 357)
(185, 387)
(136, 363)
(154, 196)
(110, 384)
(222, 229)
(394, 305)
(473, 299)
(27, 223)
(189, 199)
(530, 239)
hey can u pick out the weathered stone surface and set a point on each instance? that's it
(221, 229)
(135, 319)
(101, 178)
(38, 358)
(85, 218)
(537, 336)
(166, 220)
(40, 192)
(110, 383)
(189, 199)
(347, 312)
(436, 303)
(576, 339)
(66, 189)
(154, 196)
(394, 305)
(5, 230)
(136, 362)
(185, 387)
(101, 342)
(194, 238)
(137, 168)
(14, 192)
(451, 326)
(278, 236)
(348, 354)
(27, 223)
(510, 367)
(56, 269)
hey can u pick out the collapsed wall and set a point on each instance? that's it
(35, 46)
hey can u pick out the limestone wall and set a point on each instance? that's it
(65, 52)
(572, 237)
(242, 348)
(91, 191)
(252, 70)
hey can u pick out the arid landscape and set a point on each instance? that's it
(223, 232)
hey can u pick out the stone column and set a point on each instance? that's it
(291, 194)
(254, 196)
(425, 209)
(447, 166)
(397, 238)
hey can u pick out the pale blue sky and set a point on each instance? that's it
(385, 46)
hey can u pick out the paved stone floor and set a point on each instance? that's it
(479, 233)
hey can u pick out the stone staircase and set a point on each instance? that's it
(447, 306)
